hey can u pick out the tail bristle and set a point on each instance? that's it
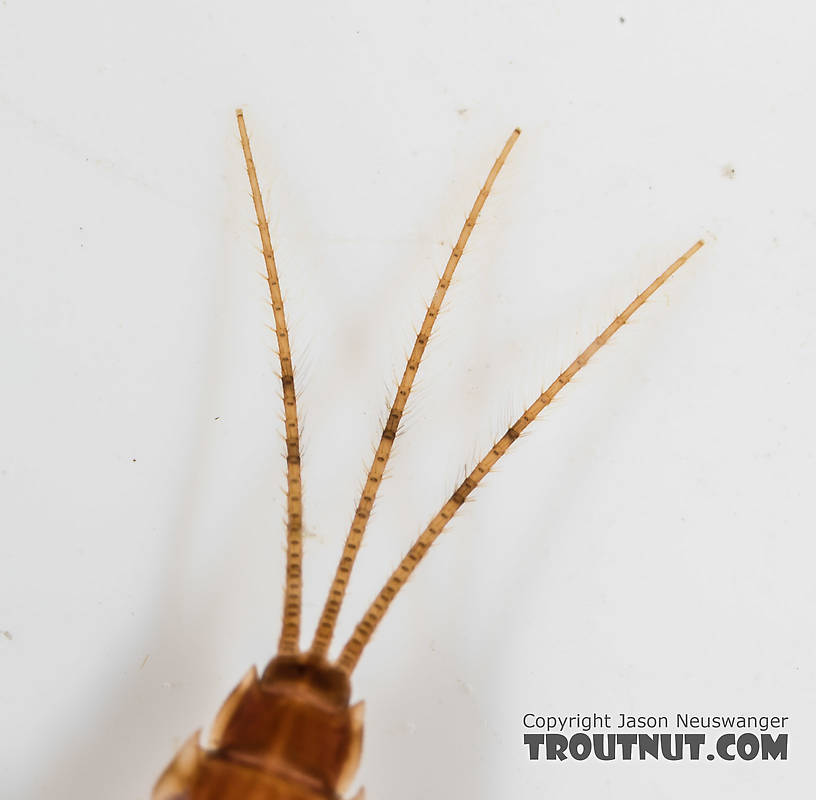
(353, 649)
(290, 629)
(328, 619)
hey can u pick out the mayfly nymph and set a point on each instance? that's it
(291, 733)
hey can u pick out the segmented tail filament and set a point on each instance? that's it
(352, 650)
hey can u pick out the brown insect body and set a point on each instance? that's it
(291, 734)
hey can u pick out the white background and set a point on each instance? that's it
(646, 548)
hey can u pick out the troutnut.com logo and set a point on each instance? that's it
(609, 737)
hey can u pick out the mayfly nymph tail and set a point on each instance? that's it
(291, 733)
